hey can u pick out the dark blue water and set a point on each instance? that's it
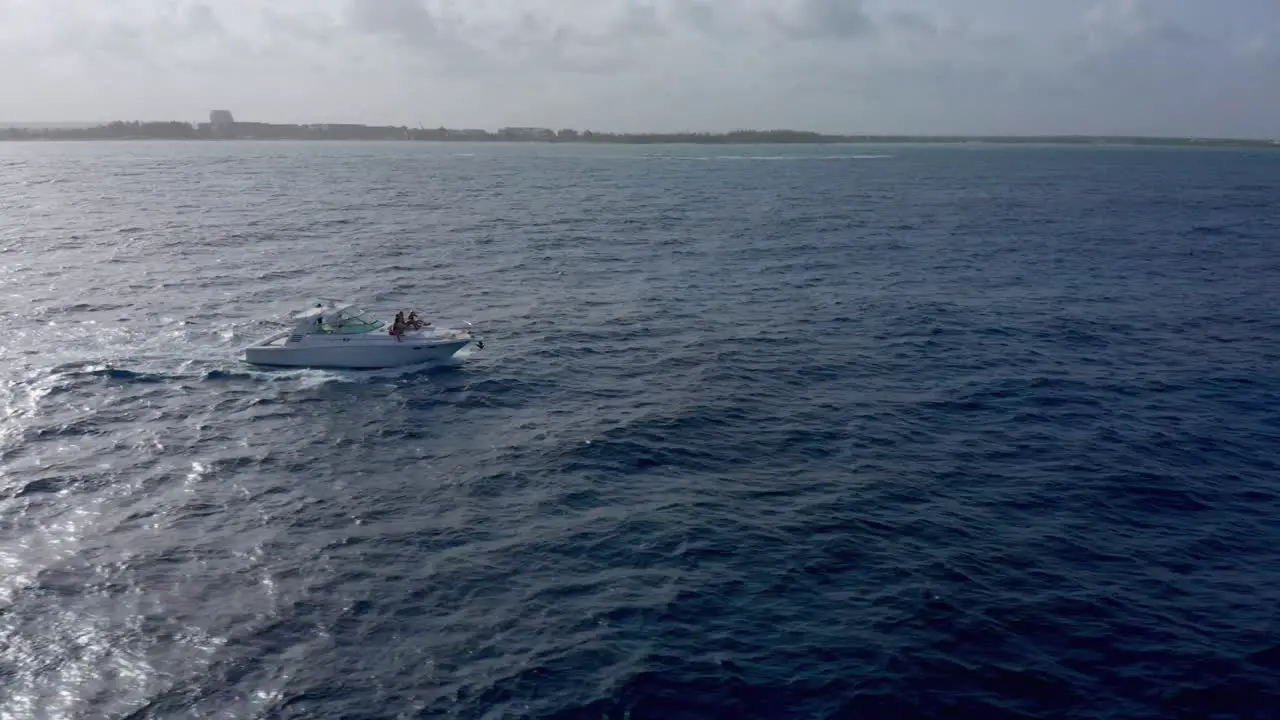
(829, 432)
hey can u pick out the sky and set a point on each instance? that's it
(1145, 67)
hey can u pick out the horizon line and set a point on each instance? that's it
(67, 124)
(222, 126)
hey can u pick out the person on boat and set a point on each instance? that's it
(398, 326)
(414, 321)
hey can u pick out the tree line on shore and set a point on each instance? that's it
(178, 130)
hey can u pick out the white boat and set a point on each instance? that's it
(346, 337)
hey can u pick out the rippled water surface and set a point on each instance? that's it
(757, 432)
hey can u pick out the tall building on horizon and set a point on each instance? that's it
(221, 118)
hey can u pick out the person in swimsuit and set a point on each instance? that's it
(398, 326)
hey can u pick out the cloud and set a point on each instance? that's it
(201, 20)
(699, 16)
(409, 20)
(639, 19)
(913, 23)
(863, 65)
(840, 19)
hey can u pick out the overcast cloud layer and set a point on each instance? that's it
(1154, 67)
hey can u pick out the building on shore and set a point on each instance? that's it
(221, 124)
(527, 133)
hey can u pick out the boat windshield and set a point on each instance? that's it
(348, 321)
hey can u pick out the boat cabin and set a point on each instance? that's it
(349, 320)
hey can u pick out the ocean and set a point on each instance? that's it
(883, 431)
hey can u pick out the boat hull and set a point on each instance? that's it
(354, 356)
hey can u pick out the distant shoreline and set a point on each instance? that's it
(330, 132)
